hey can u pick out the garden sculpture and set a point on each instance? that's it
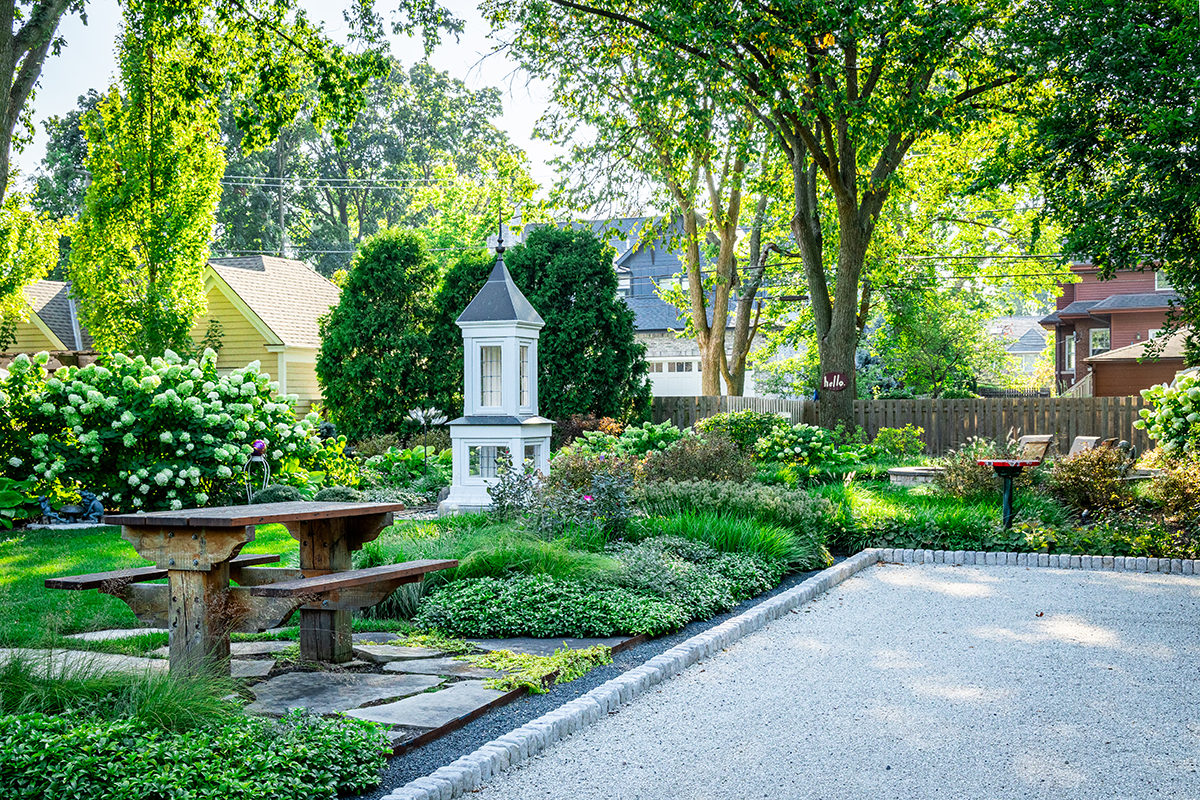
(48, 511)
(257, 457)
(93, 509)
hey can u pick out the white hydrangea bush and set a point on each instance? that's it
(162, 433)
(1173, 419)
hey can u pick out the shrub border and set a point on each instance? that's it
(468, 773)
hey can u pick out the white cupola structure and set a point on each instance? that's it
(500, 392)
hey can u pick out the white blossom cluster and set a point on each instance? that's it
(146, 434)
(1174, 417)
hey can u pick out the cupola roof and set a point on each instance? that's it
(500, 301)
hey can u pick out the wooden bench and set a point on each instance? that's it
(197, 551)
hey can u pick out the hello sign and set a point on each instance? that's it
(834, 381)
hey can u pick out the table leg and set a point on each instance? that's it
(1007, 502)
(198, 624)
(324, 635)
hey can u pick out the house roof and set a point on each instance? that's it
(1171, 348)
(51, 301)
(1050, 320)
(653, 314)
(288, 296)
(1080, 308)
(1135, 302)
(1020, 334)
(500, 301)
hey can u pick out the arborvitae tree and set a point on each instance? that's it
(588, 359)
(375, 363)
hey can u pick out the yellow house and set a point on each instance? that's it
(268, 309)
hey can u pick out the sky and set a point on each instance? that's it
(89, 62)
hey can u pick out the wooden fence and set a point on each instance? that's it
(947, 423)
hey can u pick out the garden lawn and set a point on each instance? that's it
(32, 615)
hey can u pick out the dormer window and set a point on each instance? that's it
(490, 383)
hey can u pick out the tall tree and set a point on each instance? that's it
(28, 250)
(376, 361)
(632, 120)
(61, 180)
(1115, 142)
(845, 91)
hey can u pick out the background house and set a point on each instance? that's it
(265, 308)
(1024, 341)
(1095, 316)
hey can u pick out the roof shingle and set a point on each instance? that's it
(288, 296)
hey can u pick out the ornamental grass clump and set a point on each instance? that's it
(146, 434)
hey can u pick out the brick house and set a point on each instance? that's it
(1094, 317)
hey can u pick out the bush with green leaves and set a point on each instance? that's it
(962, 475)
(1173, 419)
(805, 515)
(163, 433)
(17, 501)
(512, 492)
(338, 494)
(635, 440)
(712, 458)
(300, 757)
(276, 493)
(743, 428)
(605, 506)
(1177, 490)
(400, 468)
(798, 444)
(542, 606)
(904, 441)
(1092, 480)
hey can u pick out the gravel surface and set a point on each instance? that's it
(918, 682)
(441, 752)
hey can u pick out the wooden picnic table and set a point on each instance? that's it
(198, 550)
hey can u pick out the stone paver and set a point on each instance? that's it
(384, 653)
(442, 666)
(73, 660)
(241, 649)
(327, 692)
(432, 709)
(247, 668)
(544, 647)
(114, 633)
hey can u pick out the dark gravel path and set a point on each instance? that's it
(425, 760)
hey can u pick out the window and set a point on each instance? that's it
(1100, 340)
(1069, 354)
(656, 366)
(687, 366)
(489, 376)
(533, 452)
(1153, 333)
(1161, 282)
(481, 460)
(670, 366)
(524, 375)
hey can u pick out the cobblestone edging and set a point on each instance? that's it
(1173, 566)
(469, 772)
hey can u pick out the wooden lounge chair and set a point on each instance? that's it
(1035, 446)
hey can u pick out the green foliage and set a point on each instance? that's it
(28, 251)
(904, 441)
(338, 494)
(541, 606)
(804, 514)
(512, 491)
(588, 359)
(714, 458)
(337, 468)
(635, 440)
(155, 161)
(276, 493)
(36, 685)
(1177, 490)
(568, 430)
(732, 534)
(1129, 531)
(396, 467)
(962, 476)
(799, 444)
(375, 357)
(603, 507)
(299, 757)
(1091, 480)
(1173, 419)
(145, 434)
(743, 428)
(17, 502)
(537, 674)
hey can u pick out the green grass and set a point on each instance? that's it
(28, 685)
(890, 516)
(732, 535)
(33, 616)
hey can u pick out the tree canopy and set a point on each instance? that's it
(375, 359)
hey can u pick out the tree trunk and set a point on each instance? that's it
(743, 329)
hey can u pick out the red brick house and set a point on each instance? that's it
(1094, 317)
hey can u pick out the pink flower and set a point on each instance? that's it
(588, 497)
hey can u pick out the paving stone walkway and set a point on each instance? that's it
(911, 681)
